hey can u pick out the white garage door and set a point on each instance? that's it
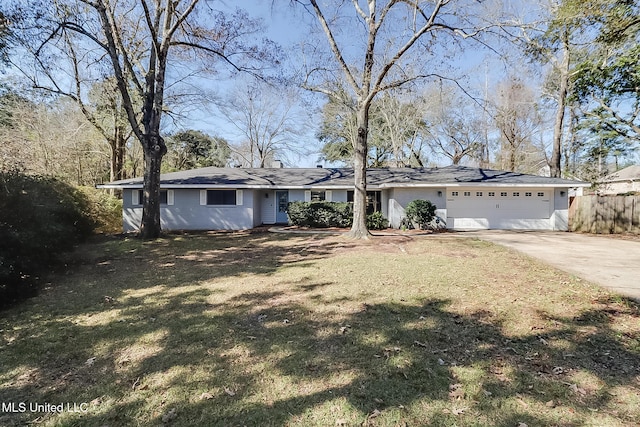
(512, 209)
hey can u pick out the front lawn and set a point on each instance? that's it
(258, 329)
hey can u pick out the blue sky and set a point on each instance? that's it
(283, 25)
(289, 26)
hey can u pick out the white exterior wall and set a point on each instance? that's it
(187, 214)
(258, 199)
(399, 198)
(338, 195)
(560, 217)
(548, 213)
(296, 195)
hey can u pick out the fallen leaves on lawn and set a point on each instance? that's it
(370, 417)
(577, 390)
(458, 411)
(206, 396)
(456, 391)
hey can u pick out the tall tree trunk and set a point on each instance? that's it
(117, 145)
(555, 163)
(119, 158)
(154, 150)
(570, 149)
(512, 158)
(359, 227)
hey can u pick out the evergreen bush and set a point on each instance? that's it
(320, 214)
(420, 212)
(330, 214)
(375, 221)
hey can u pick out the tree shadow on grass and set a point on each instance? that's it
(266, 357)
(376, 366)
(200, 256)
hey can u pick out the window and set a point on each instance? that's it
(516, 194)
(467, 193)
(166, 197)
(540, 194)
(374, 200)
(503, 194)
(478, 193)
(492, 193)
(221, 197)
(318, 196)
(527, 194)
(454, 194)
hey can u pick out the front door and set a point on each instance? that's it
(282, 198)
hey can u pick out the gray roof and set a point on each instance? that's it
(344, 178)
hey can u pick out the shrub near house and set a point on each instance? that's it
(320, 214)
(330, 214)
(420, 213)
(40, 217)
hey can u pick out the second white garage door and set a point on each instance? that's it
(482, 208)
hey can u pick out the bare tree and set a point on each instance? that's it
(403, 127)
(135, 42)
(106, 113)
(371, 45)
(51, 138)
(396, 131)
(453, 125)
(265, 119)
(518, 120)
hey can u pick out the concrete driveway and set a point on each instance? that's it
(609, 262)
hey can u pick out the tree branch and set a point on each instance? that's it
(119, 75)
(334, 46)
(220, 55)
(428, 25)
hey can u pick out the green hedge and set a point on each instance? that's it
(320, 214)
(330, 214)
(40, 217)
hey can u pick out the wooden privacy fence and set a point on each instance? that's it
(605, 214)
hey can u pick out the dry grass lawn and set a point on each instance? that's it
(258, 329)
